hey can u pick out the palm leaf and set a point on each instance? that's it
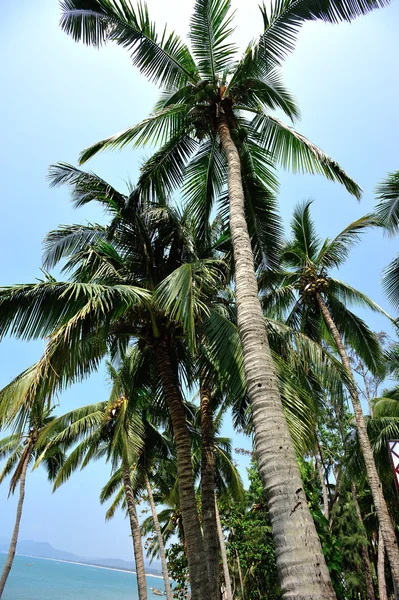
(163, 59)
(164, 171)
(182, 293)
(285, 18)
(357, 335)
(296, 153)
(390, 282)
(157, 129)
(86, 187)
(210, 30)
(387, 210)
(69, 239)
(37, 310)
(334, 252)
(204, 181)
(349, 295)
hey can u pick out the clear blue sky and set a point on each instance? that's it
(59, 97)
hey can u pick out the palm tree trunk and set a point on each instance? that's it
(199, 581)
(136, 533)
(157, 528)
(382, 586)
(226, 573)
(240, 576)
(301, 565)
(387, 531)
(14, 539)
(323, 487)
(365, 553)
(209, 525)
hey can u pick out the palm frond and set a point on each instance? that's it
(334, 252)
(204, 181)
(118, 501)
(349, 295)
(182, 293)
(86, 187)
(11, 462)
(69, 239)
(390, 282)
(161, 174)
(387, 210)
(386, 407)
(263, 93)
(210, 30)
(305, 241)
(164, 59)
(296, 153)
(37, 310)
(357, 335)
(284, 18)
(157, 129)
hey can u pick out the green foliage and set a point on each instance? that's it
(178, 570)
(250, 543)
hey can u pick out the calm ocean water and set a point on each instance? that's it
(51, 580)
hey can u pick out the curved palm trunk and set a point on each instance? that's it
(301, 565)
(387, 531)
(157, 528)
(365, 553)
(226, 572)
(199, 581)
(382, 586)
(14, 539)
(136, 533)
(209, 525)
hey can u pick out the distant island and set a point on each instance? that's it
(45, 550)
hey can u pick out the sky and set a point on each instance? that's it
(58, 97)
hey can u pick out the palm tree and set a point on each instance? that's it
(111, 429)
(137, 279)
(314, 301)
(20, 449)
(154, 447)
(211, 99)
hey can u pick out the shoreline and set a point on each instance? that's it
(82, 564)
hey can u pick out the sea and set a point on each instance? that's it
(33, 578)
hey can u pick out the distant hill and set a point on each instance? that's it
(45, 550)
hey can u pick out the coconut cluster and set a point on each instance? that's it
(238, 135)
(113, 410)
(204, 90)
(312, 282)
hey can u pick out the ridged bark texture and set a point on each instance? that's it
(385, 523)
(198, 571)
(382, 586)
(226, 572)
(158, 531)
(301, 565)
(211, 544)
(365, 553)
(14, 538)
(136, 534)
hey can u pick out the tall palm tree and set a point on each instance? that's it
(311, 299)
(135, 280)
(20, 449)
(215, 109)
(112, 430)
(154, 447)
